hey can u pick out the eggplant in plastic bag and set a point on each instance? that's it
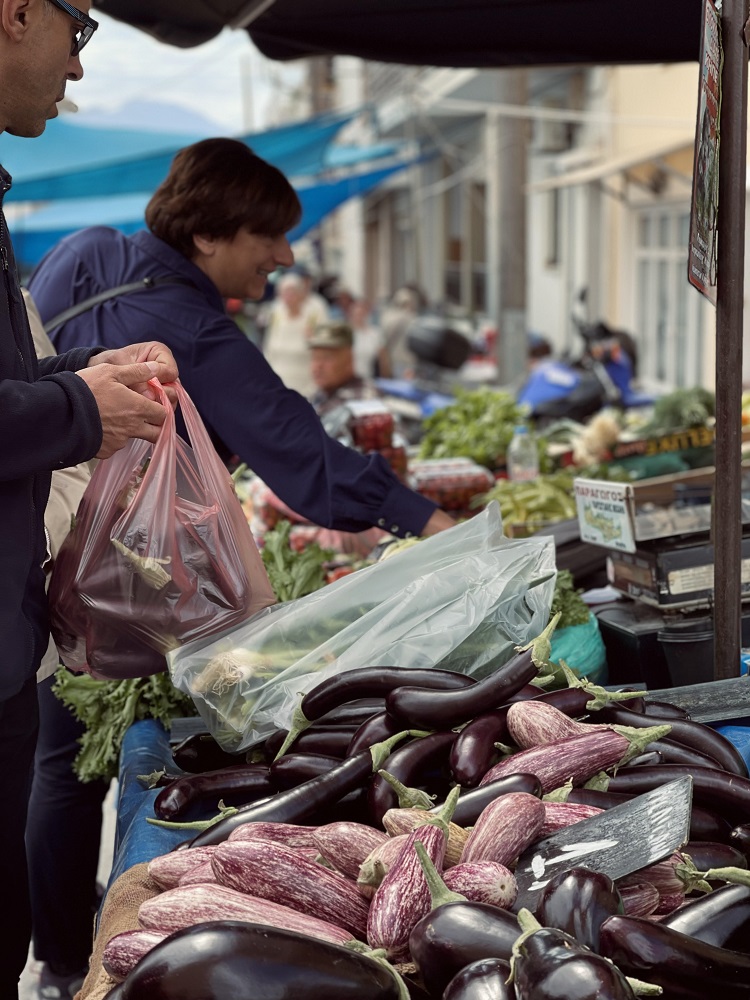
(160, 554)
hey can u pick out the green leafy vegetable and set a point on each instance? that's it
(293, 574)
(568, 601)
(108, 708)
(479, 425)
(681, 409)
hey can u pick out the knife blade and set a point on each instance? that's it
(712, 701)
(616, 842)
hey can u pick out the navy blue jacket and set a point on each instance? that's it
(245, 406)
(48, 420)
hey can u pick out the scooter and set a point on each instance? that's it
(602, 376)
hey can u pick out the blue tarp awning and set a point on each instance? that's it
(73, 161)
(35, 233)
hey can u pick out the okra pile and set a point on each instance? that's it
(373, 851)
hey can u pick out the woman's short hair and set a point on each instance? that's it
(214, 188)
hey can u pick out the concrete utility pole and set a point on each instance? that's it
(507, 142)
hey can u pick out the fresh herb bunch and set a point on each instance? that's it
(108, 708)
(693, 407)
(567, 600)
(293, 574)
(479, 425)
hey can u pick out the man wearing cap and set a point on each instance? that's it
(332, 368)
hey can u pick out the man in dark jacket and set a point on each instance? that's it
(53, 414)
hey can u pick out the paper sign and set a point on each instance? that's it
(605, 513)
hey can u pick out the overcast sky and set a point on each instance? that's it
(226, 80)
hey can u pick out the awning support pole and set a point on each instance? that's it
(727, 521)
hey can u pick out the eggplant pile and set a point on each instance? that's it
(339, 846)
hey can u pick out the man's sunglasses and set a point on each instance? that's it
(87, 25)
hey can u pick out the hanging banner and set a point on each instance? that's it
(705, 200)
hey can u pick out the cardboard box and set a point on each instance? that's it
(680, 575)
(623, 516)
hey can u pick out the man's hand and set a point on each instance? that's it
(134, 354)
(124, 411)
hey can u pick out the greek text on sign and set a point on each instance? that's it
(605, 513)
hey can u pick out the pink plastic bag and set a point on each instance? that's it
(161, 553)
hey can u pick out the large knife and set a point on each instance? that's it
(711, 701)
(616, 842)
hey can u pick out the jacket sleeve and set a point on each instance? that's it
(49, 424)
(280, 437)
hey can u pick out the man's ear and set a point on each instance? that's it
(205, 245)
(14, 17)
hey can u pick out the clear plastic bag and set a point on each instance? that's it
(160, 553)
(460, 600)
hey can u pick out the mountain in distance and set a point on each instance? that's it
(145, 115)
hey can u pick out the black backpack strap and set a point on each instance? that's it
(111, 293)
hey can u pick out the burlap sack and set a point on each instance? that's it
(119, 913)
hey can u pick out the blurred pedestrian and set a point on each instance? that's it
(292, 318)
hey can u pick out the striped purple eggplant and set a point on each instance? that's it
(289, 834)
(536, 723)
(123, 951)
(273, 871)
(189, 905)
(504, 829)
(167, 869)
(483, 882)
(558, 815)
(403, 897)
(639, 898)
(198, 876)
(377, 864)
(347, 845)
(576, 758)
(398, 821)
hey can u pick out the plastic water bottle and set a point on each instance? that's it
(523, 456)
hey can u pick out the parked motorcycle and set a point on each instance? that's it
(602, 376)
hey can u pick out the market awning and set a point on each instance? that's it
(68, 160)
(36, 232)
(660, 157)
(473, 33)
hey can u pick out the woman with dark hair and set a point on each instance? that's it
(216, 230)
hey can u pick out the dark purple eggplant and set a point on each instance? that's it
(676, 753)
(293, 769)
(551, 965)
(354, 713)
(690, 734)
(486, 979)
(646, 759)
(471, 804)
(297, 804)
(721, 792)
(720, 918)
(372, 682)
(578, 901)
(455, 934)
(411, 765)
(663, 956)
(740, 838)
(706, 854)
(200, 752)
(229, 958)
(234, 785)
(704, 824)
(374, 730)
(663, 710)
(331, 741)
(444, 709)
(473, 753)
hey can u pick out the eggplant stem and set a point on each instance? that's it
(541, 647)
(380, 752)
(560, 794)
(737, 876)
(380, 956)
(600, 697)
(152, 780)
(299, 724)
(639, 739)
(642, 989)
(198, 824)
(408, 798)
(439, 891)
